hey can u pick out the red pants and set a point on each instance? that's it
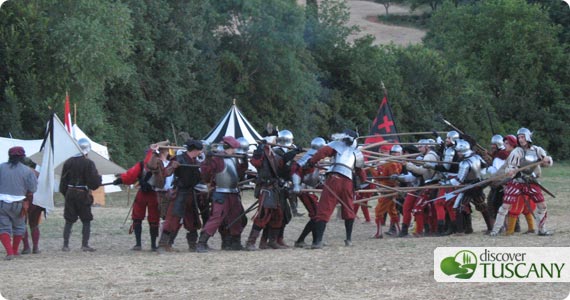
(191, 218)
(224, 212)
(409, 203)
(144, 200)
(337, 189)
(443, 205)
(363, 205)
(310, 202)
(522, 205)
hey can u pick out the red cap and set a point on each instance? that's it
(511, 139)
(231, 141)
(16, 151)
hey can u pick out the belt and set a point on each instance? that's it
(78, 187)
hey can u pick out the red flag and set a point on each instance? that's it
(67, 114)
(383, 124)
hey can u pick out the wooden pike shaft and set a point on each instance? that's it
(375, 197)
(373, 145)
(402, 134)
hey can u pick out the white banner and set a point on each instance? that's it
(501, 264)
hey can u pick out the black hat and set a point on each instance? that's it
(193, 145)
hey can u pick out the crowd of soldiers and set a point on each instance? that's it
(435, 181)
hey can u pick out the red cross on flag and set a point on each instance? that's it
(383, 124)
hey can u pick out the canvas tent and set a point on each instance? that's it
(30, 146)
(58, 146)
(235, 124)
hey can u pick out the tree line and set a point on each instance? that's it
(141, 70)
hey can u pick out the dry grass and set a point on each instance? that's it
(391, 268)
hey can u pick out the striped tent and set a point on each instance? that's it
(235, 124)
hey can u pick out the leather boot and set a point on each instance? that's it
(191, 238)
(450, 228)
(318, 231)
(36, 240)
(488, 221)
(404, 231)
(300, 243)
(511, 225)
(530, 222)
(25, 241)
(272, 241)
(348, 224)
(281, 238)
(153, 230)
(137, 229)
(440, 228)
(236, 243)
(518, 226)
(252, 239)
(227, 242)
(460, 223)
(202, 246)
(66, 236)
(164, 242)
(392, 231)
(85, 235)
(468, 224)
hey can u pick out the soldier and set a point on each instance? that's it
(470, 167)
(388, 204)
(524, 183)
(428, 174)
(499, 154)
(338, 187)
(79, 177)
(225, 170)
(17, 181)
(185, 204)
(310, 178)
(151, 174)
(449, 171)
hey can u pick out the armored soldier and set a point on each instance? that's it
(79, 177)
(499, 154)
(309, 178)
(225, 170)
(523, 184)
(449, 172)
(338, 187)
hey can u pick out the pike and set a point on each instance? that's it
(407, 143)
(424, 161)
(397, 134)
(483, 182)
(479, 147)
(375, 197)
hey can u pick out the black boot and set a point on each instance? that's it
(191, 238)
(404, 231)
(460, 223)
(300, 243)
(440, 228)
(66, 235)
(202, 246)
(153, 230)
(468, 224)
(137, 230)
(227, 242)
(318, 232)
(517, 226)
(252, 239)
(450, 228)
(85, 234)
(236, 243)
(173, 237)
(272, 238)
(348, 228)
(488, 221)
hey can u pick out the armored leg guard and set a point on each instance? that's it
(66, 236)
(202, 246)
(85, 235)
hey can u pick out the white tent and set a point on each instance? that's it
(234, 124)
(30, 146)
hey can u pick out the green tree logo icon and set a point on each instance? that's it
(462, 265)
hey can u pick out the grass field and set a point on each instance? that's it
(391, 268)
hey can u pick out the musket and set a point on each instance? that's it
(404, 133)
(245, 212)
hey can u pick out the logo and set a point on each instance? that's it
(501, 264)
(462, 265)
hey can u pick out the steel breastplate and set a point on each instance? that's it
(530, 157)
(227, 180)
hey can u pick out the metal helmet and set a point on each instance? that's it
(285, 138)
(497, 140)
(396, 148)
(84, 145)
(243, 145)
(463, 147)
(317, 143)
(527, 134)
(453, 136)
